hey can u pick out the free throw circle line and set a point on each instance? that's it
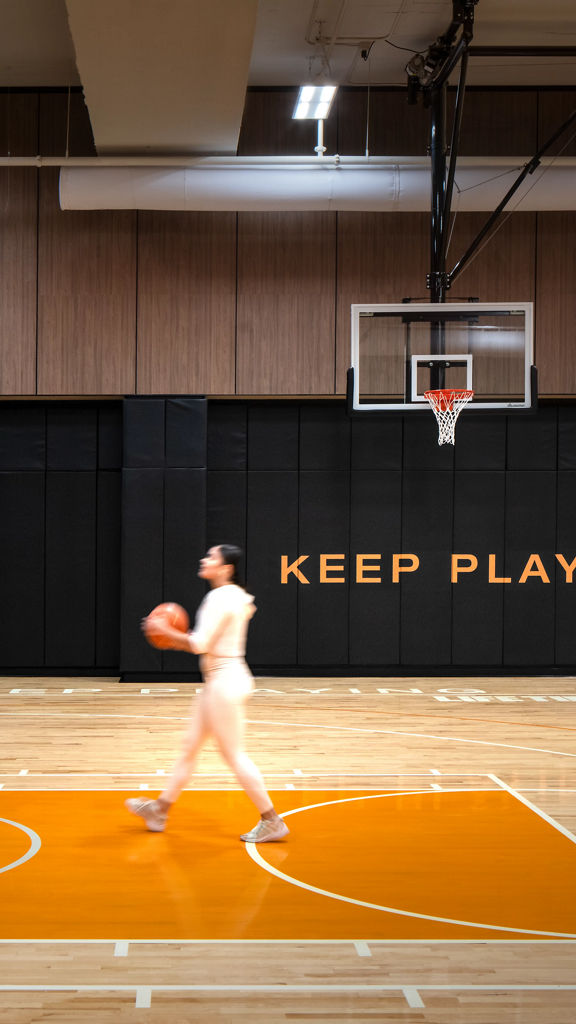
(35, 844)
(254, 853)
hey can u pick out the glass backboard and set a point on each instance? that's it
(399, 351)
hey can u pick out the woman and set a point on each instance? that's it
(219, 637)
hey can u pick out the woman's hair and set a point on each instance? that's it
(231, 555)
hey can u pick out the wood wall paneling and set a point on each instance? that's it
(555, 308)
(497, 122)
(504, 269)
(268, 128)
(554, 107)
(65, 125)
(18, 123)
(395, 127)
(382, 257)
(286, 299)
(86, 298)
(186, 303)
(18, 201)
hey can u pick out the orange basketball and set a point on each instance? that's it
(171, 614)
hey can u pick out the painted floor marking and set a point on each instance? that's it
(253, 852)
(143, 997)
(35, 844)
(301, 725)
(362, 948)
(121, 948)
(413, 998)
(541, 814)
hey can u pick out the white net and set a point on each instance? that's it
(447, 406)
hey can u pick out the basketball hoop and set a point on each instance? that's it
(447, 405)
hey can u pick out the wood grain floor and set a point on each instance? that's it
(326, 735)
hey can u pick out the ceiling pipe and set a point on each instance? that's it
(305, 183)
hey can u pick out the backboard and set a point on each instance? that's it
(399, 351)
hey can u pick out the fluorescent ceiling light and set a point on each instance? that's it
(314, 102)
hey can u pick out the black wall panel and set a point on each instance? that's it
(22, 436)
(184, 545)
(22, 576)
(477, 604)
(529, 607)
(227, 435)
(110, 436)
(376, 443)
(70, 568)
(273, 436)
(481, 442)
(324, 437)
(272, 518)
(72, 437)
(144, 427)
(108, 556)
(421, 449)
(426, 602)
(164, 506)
(567, 437)
(532, 440)
(226, 511)
(375, 529)
(142, 563)
(185, 433)
(60, 527)
(565, 616)
(324, 525)
(84, 557)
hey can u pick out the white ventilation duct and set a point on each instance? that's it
(346, 183)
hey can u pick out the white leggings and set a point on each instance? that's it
(220, 713)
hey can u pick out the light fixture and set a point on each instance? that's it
(314, 102)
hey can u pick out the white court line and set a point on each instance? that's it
(412, 997)
(541, 814)
(301, 725)
(434, 785)
(396, 732)
(362, 948)
(35, 844)
(23, 771)
(143, 997)
(121, 948)
(254, 853)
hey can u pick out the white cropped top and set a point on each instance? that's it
(222, 622)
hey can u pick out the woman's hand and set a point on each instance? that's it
(163, 636)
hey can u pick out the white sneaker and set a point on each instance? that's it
(266, 831)
(148, 809)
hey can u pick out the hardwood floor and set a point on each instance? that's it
(487, 763)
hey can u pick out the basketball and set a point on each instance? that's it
(171, 614)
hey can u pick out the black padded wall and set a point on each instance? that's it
(163, 523)
(60, 466)
(106, 508)
(302, 479)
